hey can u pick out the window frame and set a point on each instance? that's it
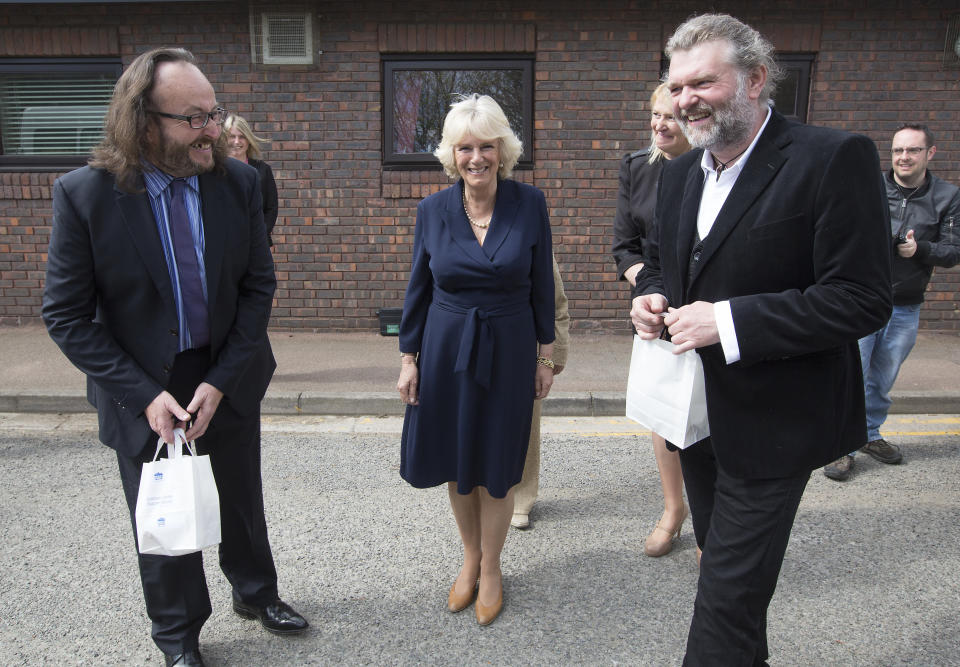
(453, 61)
(802, 62)
(52, 162)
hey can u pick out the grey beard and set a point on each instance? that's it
(732, 123)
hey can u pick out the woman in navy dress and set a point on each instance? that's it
(476, 339)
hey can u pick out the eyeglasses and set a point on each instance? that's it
(197, 121)
(913, 151)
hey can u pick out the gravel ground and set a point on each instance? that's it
(870, 576)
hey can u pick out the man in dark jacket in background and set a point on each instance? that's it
(923, 213)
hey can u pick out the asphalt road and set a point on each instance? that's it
(870, 576)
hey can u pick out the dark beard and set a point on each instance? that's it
(174, 159)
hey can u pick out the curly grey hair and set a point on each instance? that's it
(748, 48)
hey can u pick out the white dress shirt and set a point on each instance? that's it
(715, 191)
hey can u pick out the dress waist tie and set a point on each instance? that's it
(476, 342)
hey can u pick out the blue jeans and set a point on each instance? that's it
(881, 355)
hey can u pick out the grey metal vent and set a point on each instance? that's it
(281, 38)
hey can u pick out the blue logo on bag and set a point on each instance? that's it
(157, 476)
(161, 522)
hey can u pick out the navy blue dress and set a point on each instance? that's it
(475, 314)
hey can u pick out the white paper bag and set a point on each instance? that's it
(665, 392)
(178, 507)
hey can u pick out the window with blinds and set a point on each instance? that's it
(53, 108)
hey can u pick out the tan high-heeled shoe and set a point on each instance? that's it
(485, 614)
(660, 540)
(456, 602)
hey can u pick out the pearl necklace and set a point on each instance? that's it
(478, 225)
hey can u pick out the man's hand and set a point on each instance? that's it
(909, 247)
(646, 315)
(164, 414)
(692, 326)
(206, 400)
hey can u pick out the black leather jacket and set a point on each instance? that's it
(933, 213)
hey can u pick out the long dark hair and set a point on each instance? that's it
(125, 130)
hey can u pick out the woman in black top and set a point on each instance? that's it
(244, 145)
(637, 199)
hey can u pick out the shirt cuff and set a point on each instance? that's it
(728, 333)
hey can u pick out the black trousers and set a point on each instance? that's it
(743, 527)
(174, 587)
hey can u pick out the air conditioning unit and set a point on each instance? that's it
(287, 38)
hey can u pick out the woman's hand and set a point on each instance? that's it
(407, 385)
(544, 381)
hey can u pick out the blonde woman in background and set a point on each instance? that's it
(637, 199)
(244, 145)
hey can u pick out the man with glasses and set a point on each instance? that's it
(923, 212)
(159, 287)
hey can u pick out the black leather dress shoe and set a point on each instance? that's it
(277, 617)
(186, 658)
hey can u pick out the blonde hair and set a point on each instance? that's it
(481, 117)
(253, 141)
(655, 153)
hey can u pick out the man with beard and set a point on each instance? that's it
(770, 259)
(159, 287)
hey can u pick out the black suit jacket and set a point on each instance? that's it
(108, 300)
(636, 204)
(801, 250)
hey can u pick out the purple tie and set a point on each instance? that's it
(191, 289)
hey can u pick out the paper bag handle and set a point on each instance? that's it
(173, 450)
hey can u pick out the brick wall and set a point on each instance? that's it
(346, 225)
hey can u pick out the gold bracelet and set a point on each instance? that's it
(543, 361)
